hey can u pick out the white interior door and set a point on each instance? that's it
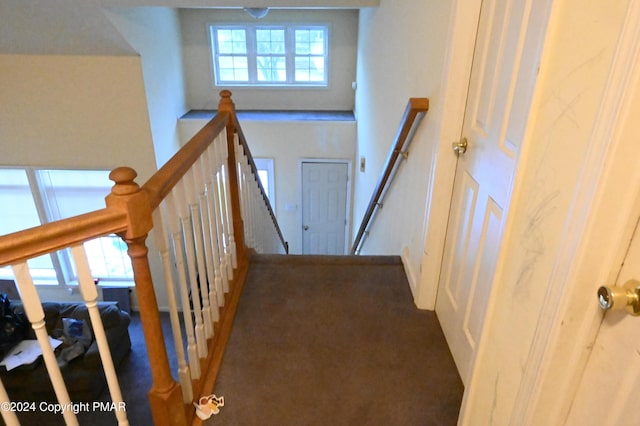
(324, 207)
(503, 74)
(610, 387)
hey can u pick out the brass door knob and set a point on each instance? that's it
(460, 147)
(625, 297)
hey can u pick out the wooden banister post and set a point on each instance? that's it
(165, 396)
(227, 105)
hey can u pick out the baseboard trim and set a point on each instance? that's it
(411, 276)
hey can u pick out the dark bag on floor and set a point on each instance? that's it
(13, 327)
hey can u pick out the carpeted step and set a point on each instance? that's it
(325, 259)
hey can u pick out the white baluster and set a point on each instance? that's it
(255, 211)
(216, 225)
(231, 253)
(203, 179)
(265, 227)
(35, 314)
(192, 187)
(162, 245)
(242, 183)
(242, 191)
(248, 178)
(187, 233)
(9, 416)
(90, 295)
(176, 237)
(220, 221)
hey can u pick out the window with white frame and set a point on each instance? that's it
(33, 196)
(270, 54)
(266, 176)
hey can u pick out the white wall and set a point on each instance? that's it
(155, 34)
(288, 142)
(75, 112)
(400, 55)
(203, 94)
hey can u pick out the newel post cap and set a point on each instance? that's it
(225, 104)
(126, 195)
(124, 181)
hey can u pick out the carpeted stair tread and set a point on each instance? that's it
(326, 259)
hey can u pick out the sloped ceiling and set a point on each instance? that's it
(80, 27)
(63, 27)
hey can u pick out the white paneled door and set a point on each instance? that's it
(503, 74)
(608, 394)
(324, 207)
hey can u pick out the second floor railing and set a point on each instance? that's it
(416, 108)
(207, 211)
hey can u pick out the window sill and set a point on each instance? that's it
(116, 284)
(266, 115)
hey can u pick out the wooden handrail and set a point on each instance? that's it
(129, 213)
(50, 237)
(254, 169)
(161, 183)
(414, 107)
(22, 245)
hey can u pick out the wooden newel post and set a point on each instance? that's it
(226, 105)
(165, 396)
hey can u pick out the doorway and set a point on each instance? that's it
(324, 194)
(507, 49)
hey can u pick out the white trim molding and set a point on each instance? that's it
(450, 108)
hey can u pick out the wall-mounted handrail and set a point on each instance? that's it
(415, 107)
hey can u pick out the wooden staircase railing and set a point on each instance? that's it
(193, 204)
(253, 169)
(416, 107)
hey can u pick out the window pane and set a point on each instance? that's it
(19, 210)
(264, 180)
(108, 258)
(18, 213)
(233, 68)
(271, 68)
(270, 41)
(266, 175)
(310, 42)
(302, 42)
(316, 42)
(310, 69)
(317, 71)
(232, 41)
(72, 192)
(302, 68)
